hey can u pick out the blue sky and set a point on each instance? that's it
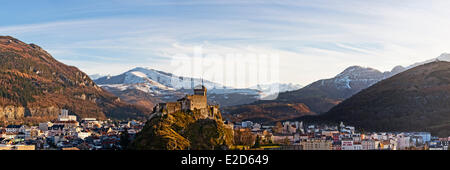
(313, 39)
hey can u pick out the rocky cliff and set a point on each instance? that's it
(183, 130)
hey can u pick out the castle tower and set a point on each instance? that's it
(200, 90)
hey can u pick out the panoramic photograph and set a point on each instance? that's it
(231, 75)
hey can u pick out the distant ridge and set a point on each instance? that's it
(147, 87)
(415, 100)
(322, 95)
(318, 97)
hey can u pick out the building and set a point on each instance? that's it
(336, 137)
(197, 103)
(282, 139)
(404, 142)
(64, 116)
(356, 137)
(247, 124)
(70, 149)
(348, 129)
(67, 124)
(368, 144)
(287, 147)
(256, 127)
(17, 147)
(347, 144)
(329, 132)
(316, 144)
(45, 126)
(426, 136)
(336, 145)
(190, 102)
(15, 128)
(90, 123)
(416, 141)
(83, 135)
(357, 146)
(267, 136)
(385, 145)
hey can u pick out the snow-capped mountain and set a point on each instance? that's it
(281, 87)
(442, 57)
(354, 76)
(322, 95)
(159, 80)
(365, 77)
(318, 97)
(275, 88)
(96, 76)
(169, 87)
(414, 100)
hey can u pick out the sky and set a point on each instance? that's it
(234, 41)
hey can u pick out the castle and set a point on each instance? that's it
(197, 102)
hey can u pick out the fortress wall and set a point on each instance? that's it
(198, 102)
(173, 106)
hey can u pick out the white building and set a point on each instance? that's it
(347, 145)
(256, 127)
(348, 129)
(368, 144)
(357, 146)
(403, 142)
(66, 117)
(247, 124)
(356, 137)
(15, 128)
(90, 122)
(299, 125)
(426, 136)
(83, 135)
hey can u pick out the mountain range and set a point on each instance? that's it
(146, 87)
(319, 97)
(34, 87)
(316, 98)
(269, 91)
(414, 100)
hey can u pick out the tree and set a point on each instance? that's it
(257, 142)
(244, 137)
(278, 128)
(286, 141)
(124, 139)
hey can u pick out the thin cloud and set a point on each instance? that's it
(314, 39)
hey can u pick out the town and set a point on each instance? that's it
(296, 136)
(66, 133)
